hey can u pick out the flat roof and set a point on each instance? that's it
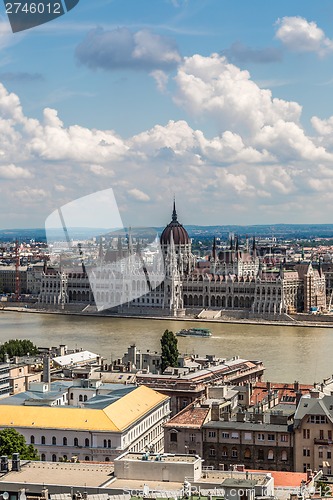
(165, 457)
(61, 473)
(75, 357)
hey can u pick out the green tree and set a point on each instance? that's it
(16, 347)
(12, 441)
(170, 352)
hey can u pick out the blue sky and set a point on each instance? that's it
(226, 105)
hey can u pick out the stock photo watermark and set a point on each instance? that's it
(28, 14)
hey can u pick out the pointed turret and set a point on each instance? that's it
(174, 213)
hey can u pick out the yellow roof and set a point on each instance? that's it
(114, 418)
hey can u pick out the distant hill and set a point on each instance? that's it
(280, 231)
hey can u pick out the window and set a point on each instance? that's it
(317, 419)
(54, 458)
(260, 454)
(284, 455)
(321, 434)
(80, 397)
(329, 435)
(43, 440)
(224, 451)
(306, 452)
(86, 459)
(64, 441)
(241, 397)
(271, 437)
(86, 442)
(76, 442)
(248, 436)
(247, 453)
(270, 455)
(212, 452)
(320, 452)
(85, 398)
(72, 396)
(284, 438)
(329, 454)
(107, 459)
(42, 457)
(234, 435)
(109, 443)
(211, 434)
(261, 437)
(32, 439)
(225, 435)
(306, 433)
(54, 440)
(104, 443)
(234, 453)
(192, 438)
(173, 437)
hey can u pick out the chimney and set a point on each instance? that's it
(296, 386)
(268, 386)
(16, 464)
(46, 369)
(4, 464)
(215, 412)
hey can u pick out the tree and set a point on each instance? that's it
(12, 441)
(170, 352)
(17, 348)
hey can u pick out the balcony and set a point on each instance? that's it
(326, 442)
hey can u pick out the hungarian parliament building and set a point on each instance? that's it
(170, 280)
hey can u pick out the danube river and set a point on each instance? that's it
(289, 353)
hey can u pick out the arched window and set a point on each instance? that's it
(64, 441)
(86, 442)
(43, 440)
(54, 440)
(87, 459)
(107, 459)
(42, 457)
(260, 454)
(224, 451)
(32, 439)
(72, 396)
(65, 458)
(270, 455)
(80, 397)
(54, 458)
(284, 455)
(247, 453)
(104, 443)
(85, 398)
(76, 442)
(109, 443)
(234, 453)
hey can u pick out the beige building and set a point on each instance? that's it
(313, 433)
(20, 376)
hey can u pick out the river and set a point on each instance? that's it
(289, 353)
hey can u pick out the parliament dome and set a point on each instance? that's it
(179, 233)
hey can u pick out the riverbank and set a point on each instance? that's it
(221, 319)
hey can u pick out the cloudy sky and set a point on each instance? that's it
(228, 105)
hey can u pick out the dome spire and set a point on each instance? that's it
(174, 213)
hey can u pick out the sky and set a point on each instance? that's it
(226, 105)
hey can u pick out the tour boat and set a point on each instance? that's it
(195, 332)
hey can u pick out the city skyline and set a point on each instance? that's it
(225, 106)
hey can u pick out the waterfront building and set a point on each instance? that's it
(104, 428)
(234, 279)
(185, 385)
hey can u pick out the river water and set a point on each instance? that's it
(289, 353)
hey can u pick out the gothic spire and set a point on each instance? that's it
(174, 213)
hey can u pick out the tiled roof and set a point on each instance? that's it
(189, 417)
